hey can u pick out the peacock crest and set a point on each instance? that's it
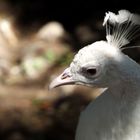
(121, 28)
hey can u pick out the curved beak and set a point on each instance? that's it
(63, 79)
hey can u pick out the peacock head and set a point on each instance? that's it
(93, 65)
(101, 62)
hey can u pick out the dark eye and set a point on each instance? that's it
(91, 71)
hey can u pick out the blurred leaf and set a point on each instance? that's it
(39, 63)
(50, 55)
(66, 59)
(37, 102)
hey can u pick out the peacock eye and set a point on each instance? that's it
(91, 71)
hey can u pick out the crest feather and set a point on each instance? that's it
(121, 28)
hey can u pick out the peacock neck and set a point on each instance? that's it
(129, 83)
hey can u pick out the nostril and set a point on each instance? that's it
(65, 75)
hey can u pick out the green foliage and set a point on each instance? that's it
(50, 55)
(66, 59)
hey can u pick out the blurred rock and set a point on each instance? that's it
(52, 31)
(8, 45)
(7, 33)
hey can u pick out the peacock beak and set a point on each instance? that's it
(63, 79)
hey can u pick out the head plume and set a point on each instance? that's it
(121, 28)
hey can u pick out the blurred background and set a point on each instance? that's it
(38, 40)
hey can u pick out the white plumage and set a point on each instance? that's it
(115, 114)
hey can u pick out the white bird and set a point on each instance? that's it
(115, 114)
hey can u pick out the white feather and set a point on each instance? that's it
(121, 28)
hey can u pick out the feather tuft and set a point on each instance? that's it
(121, 28)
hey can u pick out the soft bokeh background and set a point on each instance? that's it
(38, 40)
